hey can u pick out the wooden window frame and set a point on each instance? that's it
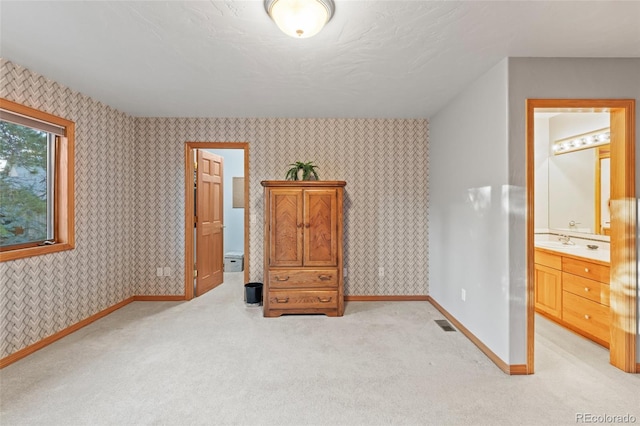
(63, 223)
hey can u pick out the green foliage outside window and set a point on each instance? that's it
(23, 184)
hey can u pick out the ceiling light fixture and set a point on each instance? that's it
(300, 18)
(583, 141)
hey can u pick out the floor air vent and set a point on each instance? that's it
(444, 324)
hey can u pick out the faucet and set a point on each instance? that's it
(565, 239)
(573, 223)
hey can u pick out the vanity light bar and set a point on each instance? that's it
(583, 141)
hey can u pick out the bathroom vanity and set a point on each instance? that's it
(572, 288)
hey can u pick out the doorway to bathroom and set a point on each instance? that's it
(218, 208)
(592, 293)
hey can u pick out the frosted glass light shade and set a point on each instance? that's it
(582, 141)
(300, 18)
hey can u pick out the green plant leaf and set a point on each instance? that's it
(308, 170)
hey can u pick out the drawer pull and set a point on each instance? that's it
(307, 225)
(324, 277)
(299, 225)
(282, 279)
(324, 299)
(587, 317)
(586, 269)
(283, 300)
(586, 289)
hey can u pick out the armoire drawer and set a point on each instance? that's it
(586, 315)
(590, 289)
(303, 299)
(303, 278)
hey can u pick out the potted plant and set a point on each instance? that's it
(302, 171)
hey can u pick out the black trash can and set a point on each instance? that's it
(253, 294)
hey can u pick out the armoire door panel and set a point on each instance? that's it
(286, 228)
(320, 228)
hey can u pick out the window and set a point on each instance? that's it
(36, 182)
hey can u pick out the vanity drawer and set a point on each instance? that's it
(593, 271)
(586, 315)
(548, 259)
(589, 289)
(298, 278)
(303, 299)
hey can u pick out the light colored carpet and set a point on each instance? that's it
(214, 361)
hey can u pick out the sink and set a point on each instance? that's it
(554, 245)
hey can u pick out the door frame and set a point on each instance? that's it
(189, 148)
(624, 285)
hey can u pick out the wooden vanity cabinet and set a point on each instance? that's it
(574, 292)
(303, 248)
(585, 306)
(548, 290)
(548, 283)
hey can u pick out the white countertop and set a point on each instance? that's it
(580, 248)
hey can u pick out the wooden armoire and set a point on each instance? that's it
(303, 248)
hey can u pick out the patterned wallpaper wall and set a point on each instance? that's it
(384, 163)
(42, 295)
(129, 202)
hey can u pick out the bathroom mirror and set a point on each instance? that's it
(572, 188)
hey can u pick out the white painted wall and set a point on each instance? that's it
(477, 187)
(233, 166)
(541, 172)
(557, 78)
(468, 205)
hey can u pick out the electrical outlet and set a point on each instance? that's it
(344, 272)
(253, 219)
(381, 272)
(463, 294)
(167, 271)
(159, 272)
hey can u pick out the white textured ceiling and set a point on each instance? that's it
(374, 59)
